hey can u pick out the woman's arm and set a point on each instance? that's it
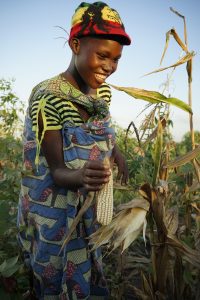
(92, 176)
(121, 163)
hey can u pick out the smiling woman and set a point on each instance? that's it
(102, 57)
(67, 138)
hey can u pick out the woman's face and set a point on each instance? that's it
(96, 59)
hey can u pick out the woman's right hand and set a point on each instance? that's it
(94, 175)
(91, 177)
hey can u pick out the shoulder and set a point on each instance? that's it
(104, 92)
(104, 88)
(48, 86)
(55, 86)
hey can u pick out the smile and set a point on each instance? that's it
(100, 77)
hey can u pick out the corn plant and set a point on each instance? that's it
(173, 209)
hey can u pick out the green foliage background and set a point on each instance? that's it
(14, 279)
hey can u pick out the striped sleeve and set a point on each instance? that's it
(104, 91)
(55, 112)
(67, 111)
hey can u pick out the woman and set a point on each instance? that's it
(67, 135)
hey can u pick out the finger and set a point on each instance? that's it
(119, 174)
(97, 165)
(95, 180)
(97, 173)
(125, 176)
(124, 179)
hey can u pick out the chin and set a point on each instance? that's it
(96, 85)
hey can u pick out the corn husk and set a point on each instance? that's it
(124, 228)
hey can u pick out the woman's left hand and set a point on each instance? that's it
(119, 159)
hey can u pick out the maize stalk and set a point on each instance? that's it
(105, 200)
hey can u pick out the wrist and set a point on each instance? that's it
(79, 176)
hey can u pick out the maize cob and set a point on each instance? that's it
(105, 201)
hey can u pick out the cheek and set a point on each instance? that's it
(92, 61)
(115, 66)
(81, 64)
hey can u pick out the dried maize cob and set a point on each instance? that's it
(105, 201)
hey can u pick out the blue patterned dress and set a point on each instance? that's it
(47, 211)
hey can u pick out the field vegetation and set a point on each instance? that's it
(154, 251)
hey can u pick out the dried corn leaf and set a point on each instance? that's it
(166, 45)
(132, 221)
(101, 237)
(153, 97)
(148, 122)
(141, 294)
(183, 17)
(142, 203)
(86, 205)
(181, 160)
(162, 186)
(178, 40)
(154, 133)
(144, 231)
(147, 287)
(171, 220)
(128, 240)
(190, 255)
(194, 205)
(177, 13)
(104, 233)
(158, 153)
(123, 229)
(146, 191)
(189, 70)
(181, 61)
(137, 259)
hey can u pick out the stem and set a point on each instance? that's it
(191, 115)
(197, 171)
(153, 253)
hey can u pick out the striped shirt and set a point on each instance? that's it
(58, 110)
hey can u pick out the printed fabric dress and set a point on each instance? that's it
(47, 211)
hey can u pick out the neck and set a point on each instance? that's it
(74, 78)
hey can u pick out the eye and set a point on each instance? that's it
(116, 60)
(101, 55)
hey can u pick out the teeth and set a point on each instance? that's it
(101, 76)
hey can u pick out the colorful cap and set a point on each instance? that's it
(98, 19)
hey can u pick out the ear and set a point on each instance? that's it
(75, 45)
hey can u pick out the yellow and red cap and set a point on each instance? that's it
(98, 20)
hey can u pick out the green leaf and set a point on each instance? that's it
(3, 266)
(10, 271)
(9, 266)
(9, 263)
(153, 97)
(4, 216)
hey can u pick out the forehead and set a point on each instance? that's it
(95, 44)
